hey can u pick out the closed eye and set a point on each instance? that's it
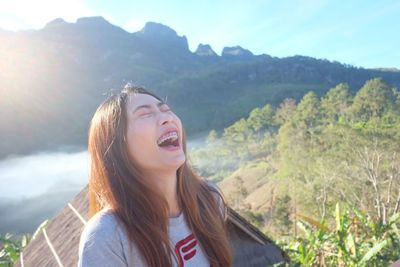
(148, 111)
(146, 114)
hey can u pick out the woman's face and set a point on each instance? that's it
(154, 134)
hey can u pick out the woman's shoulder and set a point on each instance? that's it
(102, 229)
(103, 223)
(102, 241)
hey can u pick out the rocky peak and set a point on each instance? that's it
(98, 25)
(94, 30)
(154, 29)
(96, 21)
(56, 23)
(160, 34)
(94, 25)
(236, 51)
(205, 50)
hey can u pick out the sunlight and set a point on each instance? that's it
(35, 14)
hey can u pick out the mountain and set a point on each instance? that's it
(52, 79)
(237, 52)
(205, 50)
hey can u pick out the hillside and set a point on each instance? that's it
(320, 175)
(303, 158)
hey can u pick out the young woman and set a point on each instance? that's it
(147, 206)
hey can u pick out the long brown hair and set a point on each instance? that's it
(116, 182)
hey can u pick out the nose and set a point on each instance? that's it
(166, 117)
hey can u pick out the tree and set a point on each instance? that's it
(374, 99)
(261, 118)
(336, 102)
(308, 110)
(282, 212)
(240, 192)
(212, 137)
(235, 138)
(285, 111)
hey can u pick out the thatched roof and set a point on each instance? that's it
(58, 243)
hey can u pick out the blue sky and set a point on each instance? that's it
(361, 33)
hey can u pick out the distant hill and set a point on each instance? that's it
(51, 80)
(304, 158)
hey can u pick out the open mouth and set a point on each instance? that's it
(169, 140)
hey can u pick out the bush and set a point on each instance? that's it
(354, 240)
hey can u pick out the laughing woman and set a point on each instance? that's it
(147, 206)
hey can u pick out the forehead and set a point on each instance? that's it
(135, 100)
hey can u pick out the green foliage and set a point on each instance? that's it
(285, 111)
(355, 240)
(308, 110)
(259, 119)
(282, 213)
(239, 193)
(212, 137)
(256, 218)
(237, 133)
(373, 100)
(337, 149)
(11, 247)
(336, 102)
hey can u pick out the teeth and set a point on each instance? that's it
(170, 135)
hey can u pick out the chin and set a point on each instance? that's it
(177, 163)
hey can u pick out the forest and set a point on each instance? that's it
(321, 176)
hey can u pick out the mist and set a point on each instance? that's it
(36, 187)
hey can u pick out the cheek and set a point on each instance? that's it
(140, 137)
(179, 123)
(178, 120)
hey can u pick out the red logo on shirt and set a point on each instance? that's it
(185, 249)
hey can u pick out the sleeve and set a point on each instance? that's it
(100, 244)
(219, 197)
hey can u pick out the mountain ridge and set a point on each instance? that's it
(53, 79)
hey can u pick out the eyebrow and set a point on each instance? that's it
(159, 104)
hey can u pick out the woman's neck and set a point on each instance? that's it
(167, 184)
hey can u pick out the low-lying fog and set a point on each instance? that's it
(34, 188)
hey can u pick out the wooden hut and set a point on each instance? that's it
(58, 243)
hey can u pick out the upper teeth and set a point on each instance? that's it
(170, 135)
